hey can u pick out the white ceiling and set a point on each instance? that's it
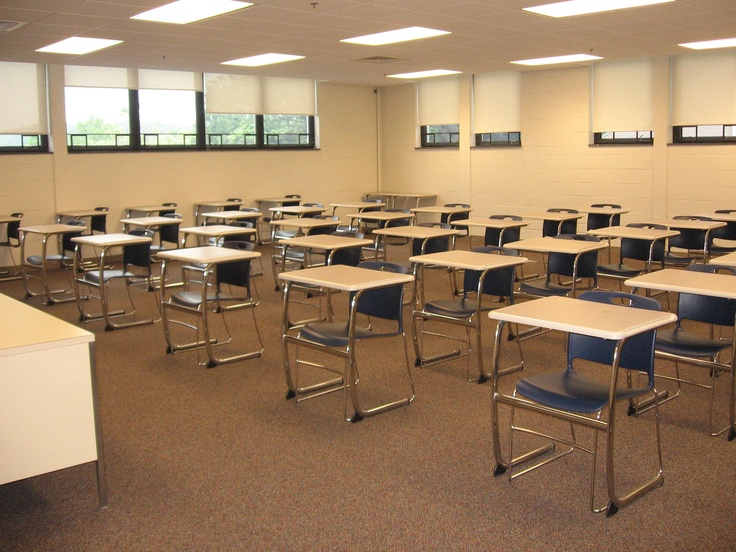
(486, 35)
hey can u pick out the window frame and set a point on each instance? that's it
(480, 142)
(42, 147)
(425, 134)
(678, 138)
(599, 140)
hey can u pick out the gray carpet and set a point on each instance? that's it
(218, 459)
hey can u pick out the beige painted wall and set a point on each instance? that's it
(342, 169)
(556, 167)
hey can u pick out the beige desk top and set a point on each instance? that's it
(490, 223)
(325, 242)
(215, 230)
(48, 229)
(725, 260)
(150, 221)
(687, 281)
(345, 278)
(207, 255)
(549, 244)
(416, 232)
(633, 233)
(110, 240)
(441, 209)
(468, 260)
(583, 317)
(380, 215)
(232, 215)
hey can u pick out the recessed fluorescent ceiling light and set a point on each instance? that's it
(708, 44)
(78, 45)
(399, 35)
(188, 11)
(424, 74)
(263, 59)
(582, 7)
(557, 59)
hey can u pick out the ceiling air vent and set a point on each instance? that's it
(378, 59)
(7, 26)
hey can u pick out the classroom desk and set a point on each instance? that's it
(215, 232)
(326, 244)
(705, 226)
(360, 206)
(566, 314)
(77, 214)
(499, 224)
(215, 205)
(227, 216)
(725, 260)
(391, 197)
(339, 278)
(46, 232)
(152, 223)
(458, 260)
(49, 410)
(559, 218)
(610, 212)
(699, 283)
(442, 210)
(549, 245)
(147, 210)
(106, 245)
(295, 210)
(651, 235)
(424, 233)
(208, 257)
(378, 217)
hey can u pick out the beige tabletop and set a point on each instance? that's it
(416, 232)
(552, 215)
(345, 278)
(50, 229)
(490, 223)
(4, 219)
(207, 254)
(325, 242)
(468, 260)
(441, 209)
(549, 244)
(148, 209)
(687, 281)
(688, 224)
(148, 222)
(110, 240)
(302, 223)
(725, 260)
(566, 314)
(633, 232)
(232, 215)
(213, 231)
(379, 216)
(298, 210)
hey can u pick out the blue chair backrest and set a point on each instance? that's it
(705, 308)
(498, 282)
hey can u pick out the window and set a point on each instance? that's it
(498, 139)
(622, 98)
(23, 115)
(497, 105)
(97, 118)
(704, 134)
(168, 119)
(440, 136)
(110, 109)
(624, 137)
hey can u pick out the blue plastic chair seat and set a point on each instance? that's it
(544, 289)
(619, 269)
(39, 260)
(455, 308)
(93, 276)
(683, 343)
(334, 334)
(570, 391)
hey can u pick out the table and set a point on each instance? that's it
(78, 214)
(216, 232)
(699, 283)
(462, 260)
(441, 210)
(499, 224)
(295, 210)
(610, 212)
(225, 216)
(46, 232)
(208, 257)
(725, 260)
(588, 318)
(704, 226)
(651, 235)
(340, 278)
(549, 244)
(49, 410)
(104, 243)
(147, 210)
(150, 222)
(359, 205)
(424, 233)
(391, 197)
(325, 243)
(559, 217)
(215, 205)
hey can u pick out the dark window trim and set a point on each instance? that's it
(486, 140)
(428, 139)
(599, 140)
(41, 147)
(679, 138)
(199, 140)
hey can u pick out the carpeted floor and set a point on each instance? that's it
(218, 459)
